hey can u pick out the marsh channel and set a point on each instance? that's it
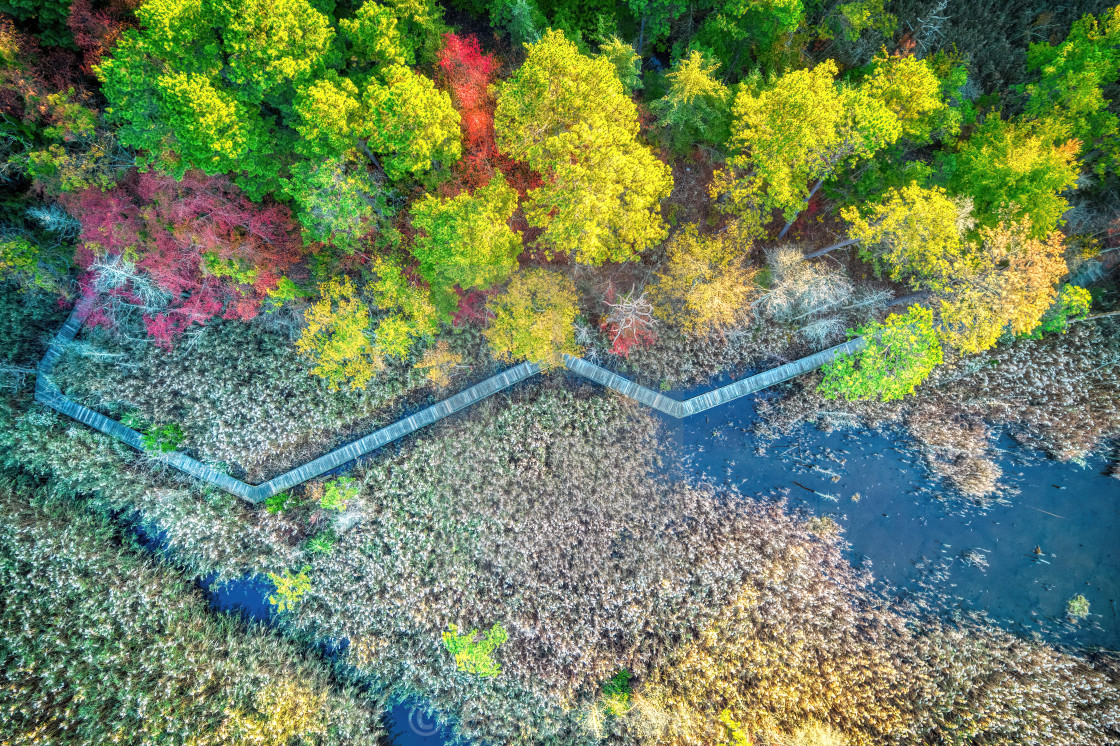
(1053, 534)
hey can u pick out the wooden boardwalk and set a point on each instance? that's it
(714, 398)
(49, 394)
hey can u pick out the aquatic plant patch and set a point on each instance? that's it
(103, 643)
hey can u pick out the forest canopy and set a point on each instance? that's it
(290, 224)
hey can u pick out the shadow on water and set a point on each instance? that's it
(1052, 537)
(407, 724)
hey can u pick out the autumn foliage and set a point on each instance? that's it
(468, 73)
(96, 31)
(181, 252)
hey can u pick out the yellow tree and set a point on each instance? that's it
(440, 363)
(916, 235)
(1013, 287)
(410, 314)
(567, 115)
(410, 122)
(913, 92)
(533, 318)
(337, 337)
(703, 286)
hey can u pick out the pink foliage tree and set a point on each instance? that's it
(181, 252)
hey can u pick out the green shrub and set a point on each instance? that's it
(156, 438)
(1078, 607)
(278, 502)
(616, 693)
(473, 656)
(290, 588)
(338, 493)
(1072, 303)
(321, 543)
(163, 439)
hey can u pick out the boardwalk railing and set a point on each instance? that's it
(49, 394)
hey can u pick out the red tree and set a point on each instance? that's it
(467, 73)
(95, 31)
(181, 252)
(472, 308)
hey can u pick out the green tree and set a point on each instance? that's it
(375, 37)
(269, 46)
(197, 85)
(328, 116)
(410, 122)
(566, 114)
(626, 62)
(851, 20)
(900, 353)
(466, 240)
(255, 88)
(1071, 79)
(210, 128)
(49, 15)
(1072, 303)
(534, 318)
(421, 28)
(338, 493)
(23, 262)
(695, 106)
(1015, 171)
(797, 131)
(655, 20)
(335, 201)
(736, 31)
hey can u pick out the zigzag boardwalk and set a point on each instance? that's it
(714, 398)
(49, 394)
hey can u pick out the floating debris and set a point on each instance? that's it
(975, 557)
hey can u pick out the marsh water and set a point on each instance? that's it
(1054, 534)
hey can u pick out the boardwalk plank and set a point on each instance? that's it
(48, 393)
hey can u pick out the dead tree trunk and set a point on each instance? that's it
(910, 298)
(833, 247)
(789, 225)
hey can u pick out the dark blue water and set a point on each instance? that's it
(248, 596)
(913, 532)
(410, 725)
